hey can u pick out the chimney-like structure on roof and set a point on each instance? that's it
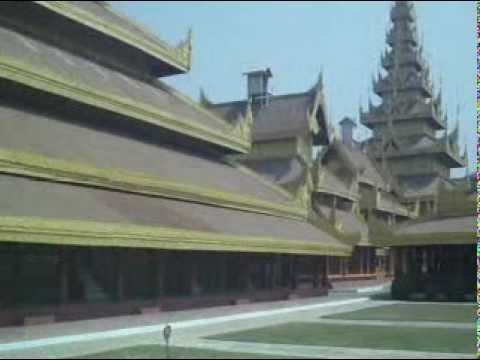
(347, 125)
(257, 87)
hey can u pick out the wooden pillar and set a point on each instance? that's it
(294, 272)
(120, 281)
(404, 255)
(276, 271)
(432, 257)
(361, 259)
(245, 272)
(194, 283)
(425, 262)
(63, 269)
(315, 271)
(160, 272)
(327, 266)
(263, 273)
(222, 273)
(17, 259)
(271, 272)
(324, 281)
(367, 260)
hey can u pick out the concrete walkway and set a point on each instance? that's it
(360, 286)
(191, 327)
(84, 337)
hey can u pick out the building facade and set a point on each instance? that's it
(120, 194)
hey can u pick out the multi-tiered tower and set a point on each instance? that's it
(406, 122)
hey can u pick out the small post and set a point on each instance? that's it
(167, 331)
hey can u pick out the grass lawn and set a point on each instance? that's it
(413, 312)
(158, 352)
(361, 336)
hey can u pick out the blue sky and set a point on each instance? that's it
(297, 40)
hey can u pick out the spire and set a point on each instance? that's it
(402, 10)
(407, 99)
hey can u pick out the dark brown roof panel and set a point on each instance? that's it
(55, 138)
(105, 20)
(285, 116)
(82, 80)
(19, 196)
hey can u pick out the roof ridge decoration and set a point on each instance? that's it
(179, 57)
(304, 192)
(198, 106)
(318, 102)
(19, 72)
(233, 161)
(89, 233)
(244, 123)
(454, 135)
(204, 100)
(41, 167)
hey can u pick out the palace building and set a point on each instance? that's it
(120, 195)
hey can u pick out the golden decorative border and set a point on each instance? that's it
(178, 57)
(87, 233)
(41, 79)
(454, 238)
(39, 166)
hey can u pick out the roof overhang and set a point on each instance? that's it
(87, 233)
(172, 60)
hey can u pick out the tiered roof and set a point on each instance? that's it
(100, 17)
(285, 116)
(42, 66)
(452, 223)
(118, 158)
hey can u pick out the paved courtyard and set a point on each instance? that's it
(198, 329)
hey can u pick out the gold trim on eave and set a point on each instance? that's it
(453, 238)
(38, 166)
(179, 57)
(89, 233)
(42, 80)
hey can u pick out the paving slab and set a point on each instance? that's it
(409, 324)
(190, 327)
(320, 352)
(108, 334)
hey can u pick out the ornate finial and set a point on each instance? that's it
(320, 80)
(318, 86)
(302, 196)
(244, 123)
(453, 137)
(465, 159)
(184, 49)
(438, 99)
(204, 100)
(190, 45)
(445, 121)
